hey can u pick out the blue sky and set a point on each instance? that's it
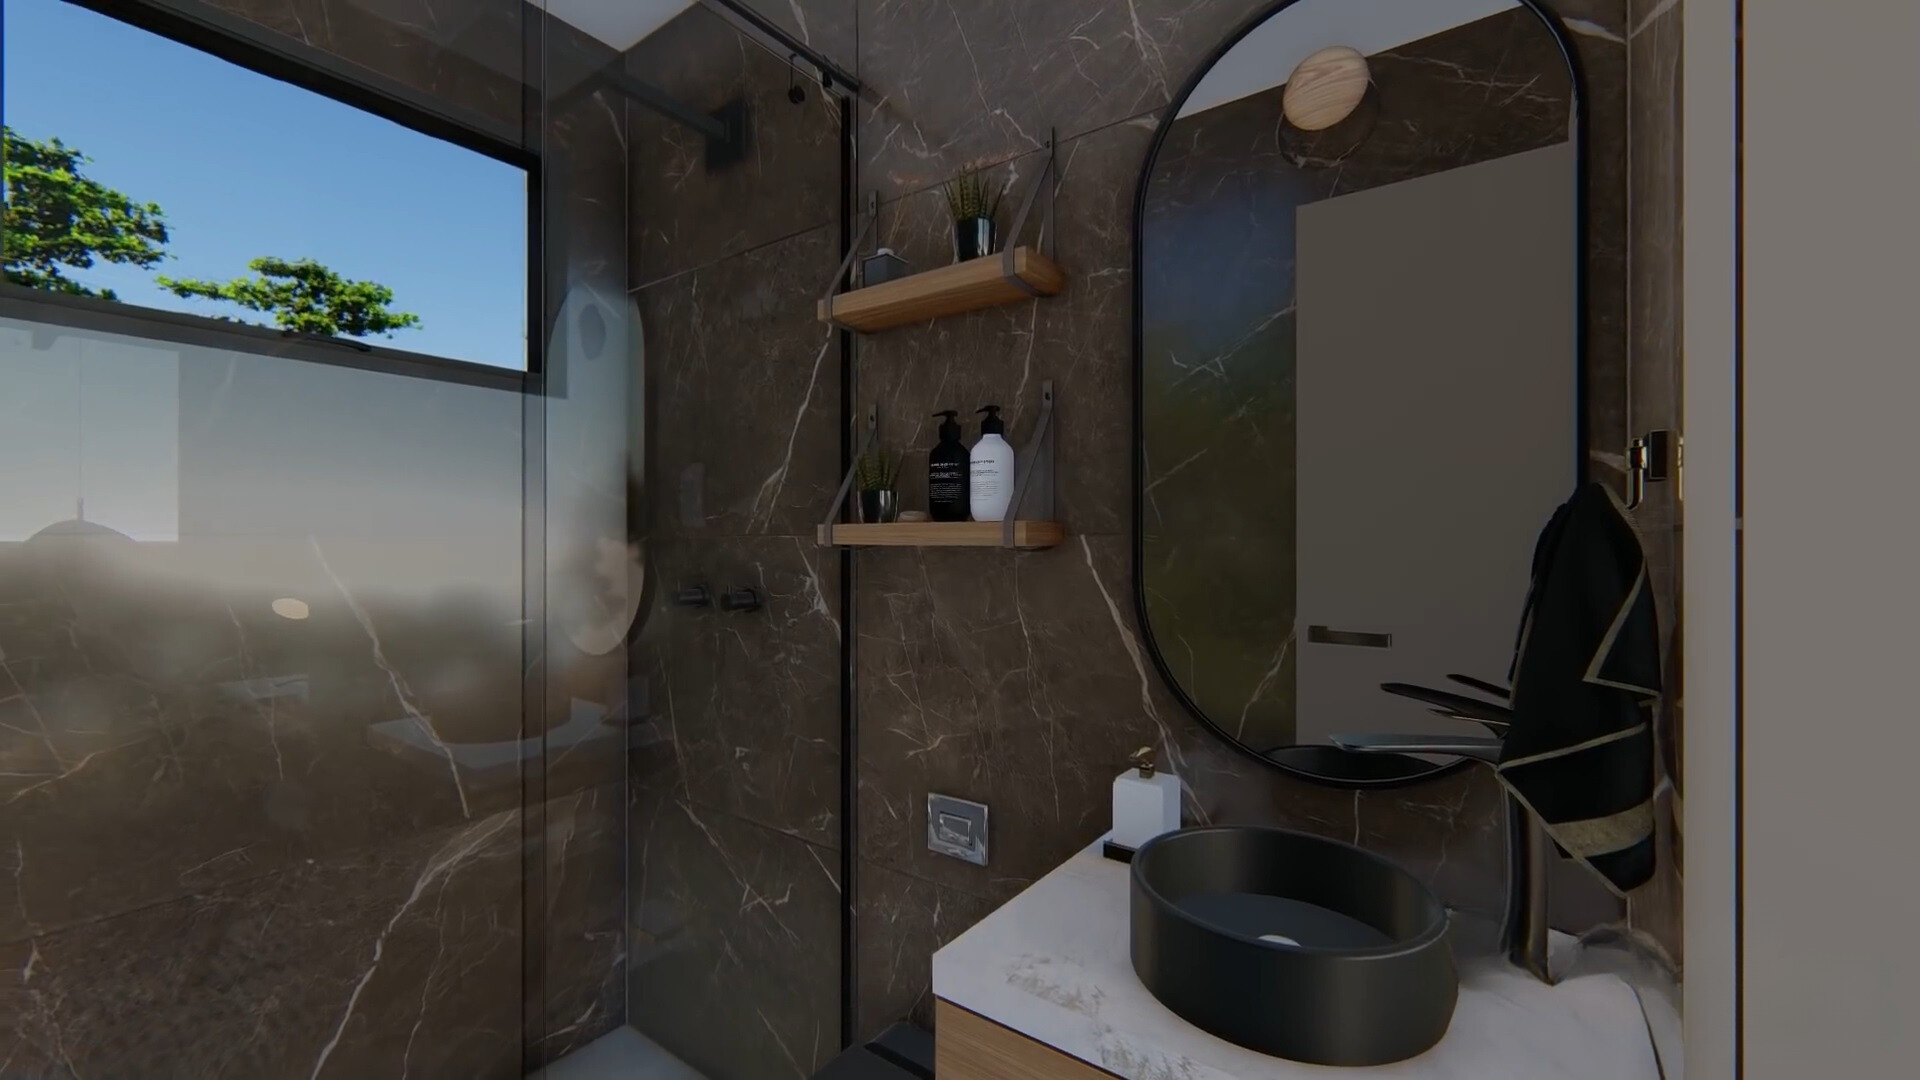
(244, 165)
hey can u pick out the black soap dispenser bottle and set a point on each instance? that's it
(947, 477)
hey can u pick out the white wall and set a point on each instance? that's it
(1435, 418)
(1708, 541)
(1830, 718)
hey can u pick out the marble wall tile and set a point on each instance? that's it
(465, 57)
(169, 734)
(584, 186)
(995, 677)
(398, 960)
(743, 708)
(734, 754)
(953, 85)
(829, 27)
(1654, 51)
(1019, 679)
(743, 393)
(735, 964)
(686, 214)
(1598, 29)
(462, 58)
(309, 829)
(901, 922)
(584, 985)
(921, 130)
(1010, 680)
(1079, 339)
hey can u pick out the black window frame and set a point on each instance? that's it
(248, 45)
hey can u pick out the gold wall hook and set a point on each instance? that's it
(1653, 457)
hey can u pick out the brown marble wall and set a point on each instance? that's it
(459, 56)
(241, 844)
(734, 878)
(237, 844)
(1653, 52)
(1018, 679)
(829, 27)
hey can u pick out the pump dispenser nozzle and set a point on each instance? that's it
(952, 421)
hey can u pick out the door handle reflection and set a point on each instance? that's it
(1326, 635)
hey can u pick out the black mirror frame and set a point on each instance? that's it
(1326, 764)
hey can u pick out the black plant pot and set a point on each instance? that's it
(878, 507)
(972, 238)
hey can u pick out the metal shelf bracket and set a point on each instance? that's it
(1049, 180)
(846, 485)
(846, 264)
(1033, 483)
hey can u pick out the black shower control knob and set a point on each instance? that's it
(745, 598)
(694, 596)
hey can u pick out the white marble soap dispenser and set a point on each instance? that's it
(1146, 802)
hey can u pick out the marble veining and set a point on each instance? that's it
(735, 964)
(981, 82)
(405, 959)
(1656, 401)
(1053, 965)
(211, 864)
(1218, 386)
(1041, 744)
(733, 821)
(682, 214)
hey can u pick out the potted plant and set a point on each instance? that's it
(973, 205)
(874, 474)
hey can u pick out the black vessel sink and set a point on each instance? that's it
(1292, 945)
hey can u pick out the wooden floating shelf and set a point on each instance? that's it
(1026, 534)
(950, 290)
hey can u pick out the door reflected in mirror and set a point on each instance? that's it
(1358, 366)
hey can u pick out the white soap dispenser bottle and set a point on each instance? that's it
(990, 469)
(1146, 802)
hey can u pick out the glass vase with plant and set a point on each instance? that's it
(972, 202)
(874, 473)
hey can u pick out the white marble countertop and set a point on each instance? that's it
(1052, 964)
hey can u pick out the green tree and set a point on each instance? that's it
(303, 295)
(58, 220)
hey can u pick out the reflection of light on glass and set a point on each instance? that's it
(288, 608)
(89, 417)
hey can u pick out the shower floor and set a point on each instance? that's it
(622, 1053)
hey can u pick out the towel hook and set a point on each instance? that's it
(1651, 458)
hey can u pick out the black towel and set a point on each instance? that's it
(1586, 678)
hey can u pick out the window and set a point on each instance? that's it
(214, 190)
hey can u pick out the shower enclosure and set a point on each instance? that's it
(695, 193)
(370, 707)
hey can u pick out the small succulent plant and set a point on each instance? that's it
(876, 470)
(969, 196)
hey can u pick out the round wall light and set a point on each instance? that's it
(1325, 88)
(288, 608)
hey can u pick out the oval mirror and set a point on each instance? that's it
(1357, 354)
